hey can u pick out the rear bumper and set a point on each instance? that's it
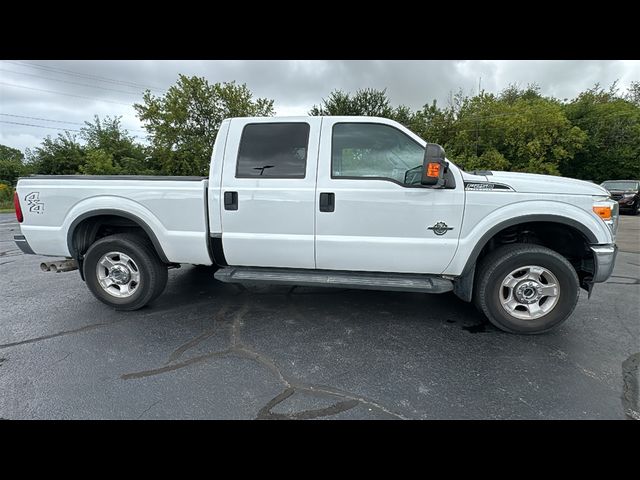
(23, 245)
(604, 259)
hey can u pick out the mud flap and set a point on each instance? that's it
(463, 286)
(589, 289)
(586, 282)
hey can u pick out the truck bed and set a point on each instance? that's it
(173, 208)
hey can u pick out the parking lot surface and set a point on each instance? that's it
(211, 350)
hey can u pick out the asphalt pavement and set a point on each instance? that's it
(210, 350)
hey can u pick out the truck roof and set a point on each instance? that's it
(306, 117)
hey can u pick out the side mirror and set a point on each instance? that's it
(433, 166)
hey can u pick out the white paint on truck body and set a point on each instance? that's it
(173, 209)
(377, 225)
(274, 223)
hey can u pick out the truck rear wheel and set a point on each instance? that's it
(124, 271)
(526, 288)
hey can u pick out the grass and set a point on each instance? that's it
(6, 204)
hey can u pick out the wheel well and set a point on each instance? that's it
(85, 231)
(567, 240)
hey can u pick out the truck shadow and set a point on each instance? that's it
(194, 287)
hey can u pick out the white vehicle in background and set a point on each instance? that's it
(357, 202)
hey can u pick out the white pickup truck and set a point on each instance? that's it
(357, 202)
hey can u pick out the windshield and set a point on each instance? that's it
(620, 185)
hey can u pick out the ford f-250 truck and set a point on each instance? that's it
(357, 202)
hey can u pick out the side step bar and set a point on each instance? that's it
(403, 282)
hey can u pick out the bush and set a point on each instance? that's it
(6, 196)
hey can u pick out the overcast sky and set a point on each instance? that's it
(53, 92)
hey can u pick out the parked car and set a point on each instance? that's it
(626, 193)
(356, 202)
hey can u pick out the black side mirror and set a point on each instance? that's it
(433, 166)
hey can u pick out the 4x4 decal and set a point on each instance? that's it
(34, 203)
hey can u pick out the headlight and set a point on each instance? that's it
(615, 215)
(628, 195)
(608, 211)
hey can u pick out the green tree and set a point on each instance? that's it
(11, 164)
(184, 122)
(434, 124)
(111, 150)
(62, 155)
(516, 130)
(633, 94)
(612, 124)
(513, 93)
(365, 102)
(490, 159)
(99, 162)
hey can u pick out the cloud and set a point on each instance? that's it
(111, 87)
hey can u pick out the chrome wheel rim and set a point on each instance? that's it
(529, 292)
(118, 274)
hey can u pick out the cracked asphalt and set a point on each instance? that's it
(210, 350)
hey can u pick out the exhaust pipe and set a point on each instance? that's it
(59, 266)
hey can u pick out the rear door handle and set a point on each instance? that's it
(327, 202)
(231, 200)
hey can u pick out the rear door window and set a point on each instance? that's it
(273, 150)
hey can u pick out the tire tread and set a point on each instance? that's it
(495, 260)
(157, 271)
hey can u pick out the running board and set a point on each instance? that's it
(403, 282)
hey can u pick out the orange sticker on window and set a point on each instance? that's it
(433, 170)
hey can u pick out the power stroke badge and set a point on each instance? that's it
(440, 228)
(34, 203)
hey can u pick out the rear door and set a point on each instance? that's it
(371, 215)
(267, 200)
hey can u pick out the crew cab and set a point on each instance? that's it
(357, 202)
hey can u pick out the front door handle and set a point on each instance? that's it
(327, 202)
(231, 200)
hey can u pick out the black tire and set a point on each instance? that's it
(153, 273)
(502, 261)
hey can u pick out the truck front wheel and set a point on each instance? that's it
(526, 288)
(124, 271)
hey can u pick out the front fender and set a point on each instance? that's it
(477, 229)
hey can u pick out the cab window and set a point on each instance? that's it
(370, 150)
(273, 150)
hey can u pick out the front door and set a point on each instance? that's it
(268, 192)
(367, 217)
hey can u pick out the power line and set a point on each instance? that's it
(84, 75)
(63, 121)
(39, 126)
(63, 93)
(67, 81)
(50, 128)
(40, 118)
